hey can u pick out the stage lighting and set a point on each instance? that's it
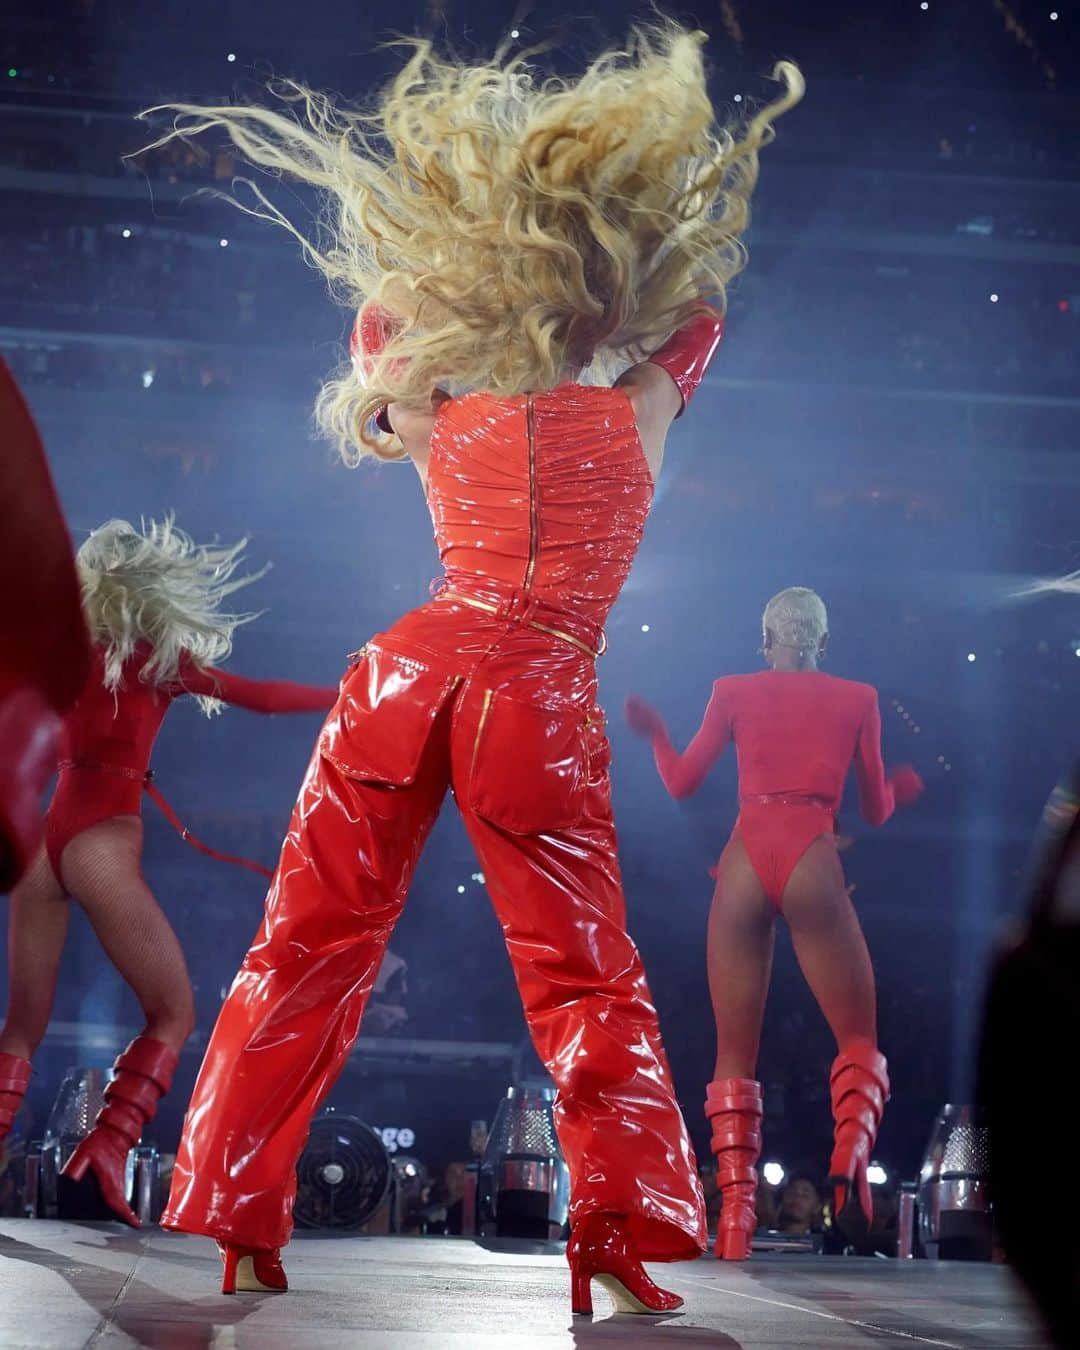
(971, 656)
(738, 98)
(955, 1220)
(925, 4)
(524, 1183)
(147, 378)
(774, 1173)
(461, 890)
(224, 243)
(1053, 16)
(231, 56)
(644, 627)
(876, 1175)
(994, 297)
(12, 72)
(514, 33)
(126, 234)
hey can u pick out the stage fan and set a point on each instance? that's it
(343, 1175)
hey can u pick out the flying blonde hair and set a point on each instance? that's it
(796, 618)
(1069, 584)
(520, 227)
(156, 585)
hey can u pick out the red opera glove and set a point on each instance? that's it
(906, 784)
(373, 329)
(642, 717)
(687, 353)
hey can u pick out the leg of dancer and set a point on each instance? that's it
(295, 1007)
(634, 1193)
(833, 956)
(101, 868)
(741, 935)
(102, 872)
(37, 926)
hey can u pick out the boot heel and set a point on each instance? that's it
(231, 1256)
(251, 1270)
(581, 1291)
(733, 1245)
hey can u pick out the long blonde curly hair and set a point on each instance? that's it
(156, 585)
(521, 228)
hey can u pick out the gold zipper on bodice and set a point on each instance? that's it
(534, 506)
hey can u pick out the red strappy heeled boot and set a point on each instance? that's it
(599, 1249)
(142, 1075)
(14, 1080)
(860, 1088)
(734, 1107)
(252, 1270)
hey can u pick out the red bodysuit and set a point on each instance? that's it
(796, 733)
(538, 503)
(108, 737)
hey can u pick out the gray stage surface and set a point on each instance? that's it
(67, 1286)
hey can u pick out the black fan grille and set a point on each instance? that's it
(343, 1174)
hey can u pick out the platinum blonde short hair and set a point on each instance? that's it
(155, 585)
(797, 618)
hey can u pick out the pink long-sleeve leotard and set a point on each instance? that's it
(796, 734)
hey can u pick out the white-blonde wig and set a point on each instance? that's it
(520, 227)
(1066, 585)
(796, 618)
(156, 585)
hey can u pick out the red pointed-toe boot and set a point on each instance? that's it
(860, 1089)
(734, 1107)
(142, 1075)
(14, 1080)
(599, 1249)
(252, 1270)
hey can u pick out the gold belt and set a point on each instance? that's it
(788, 799)
(529, 623)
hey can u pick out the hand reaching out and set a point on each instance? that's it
(642, 717)
(907, 786)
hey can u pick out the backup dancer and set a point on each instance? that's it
(151, 600)
(796, 731)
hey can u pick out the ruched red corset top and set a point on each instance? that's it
(545, 493)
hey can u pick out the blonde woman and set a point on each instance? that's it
(797, 732)
(152, 601)
(499, 233)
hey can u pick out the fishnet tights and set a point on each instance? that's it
(102, 872)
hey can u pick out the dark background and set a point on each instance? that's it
(877, 426)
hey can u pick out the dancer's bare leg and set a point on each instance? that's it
(739, 953)
(830, 945)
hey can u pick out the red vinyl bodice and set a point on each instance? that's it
(545, 494)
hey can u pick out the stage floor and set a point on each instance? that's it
(67, 1286)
